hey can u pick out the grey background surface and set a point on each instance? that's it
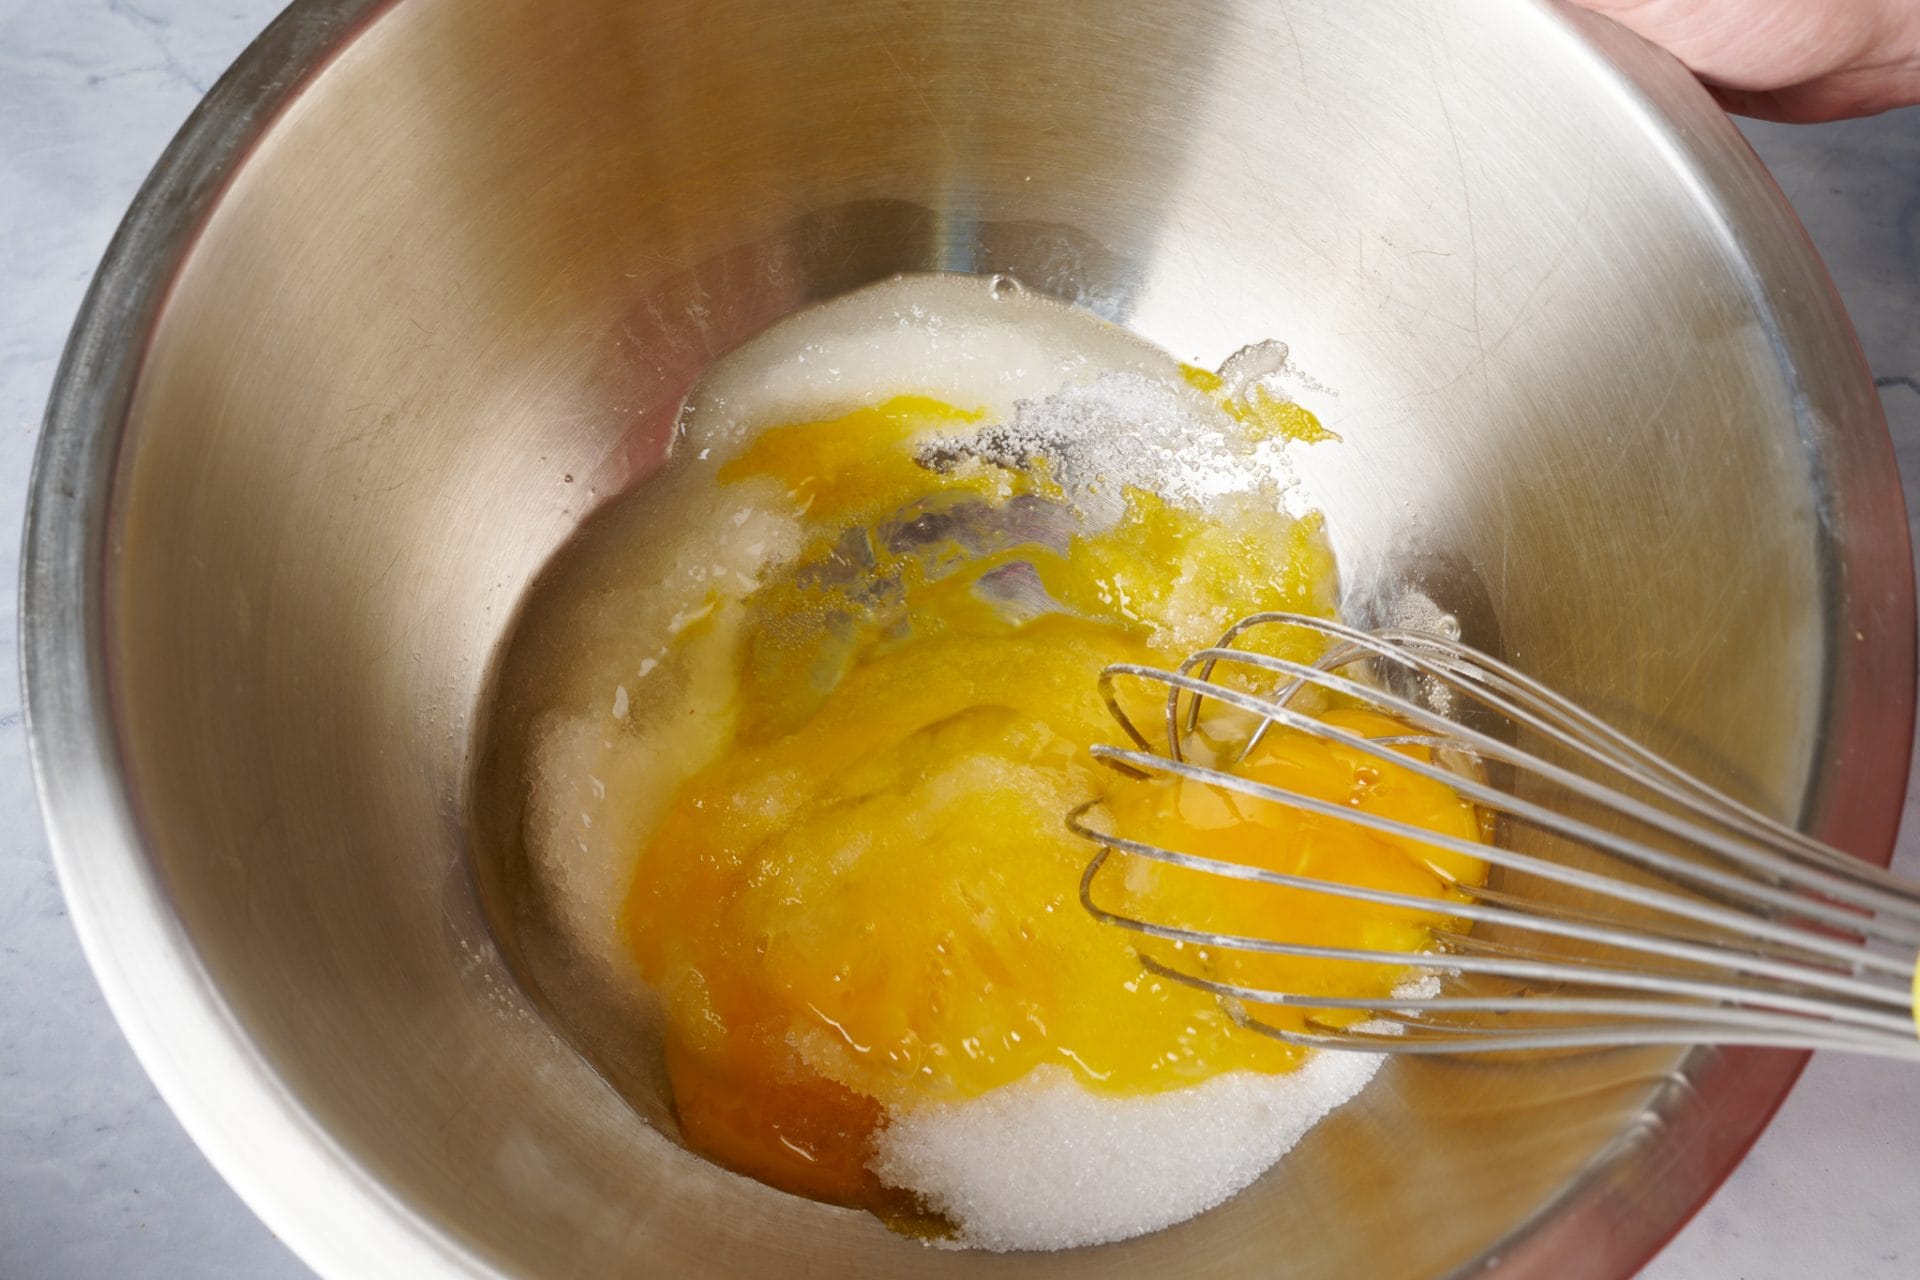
(96, 1177)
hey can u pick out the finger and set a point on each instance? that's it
(1863, 92)
(1755, 104)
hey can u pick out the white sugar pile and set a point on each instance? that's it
(1044, 1164)
(1127, 430)
(629, 710)
(1121, 431)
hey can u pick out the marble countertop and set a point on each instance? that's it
(96, 1177)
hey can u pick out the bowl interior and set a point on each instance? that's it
(1596, 400)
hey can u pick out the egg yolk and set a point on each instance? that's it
(870, 899)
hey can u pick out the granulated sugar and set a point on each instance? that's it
(1045, 1164)
(1126, 430)
(954, 339)
(618, 710)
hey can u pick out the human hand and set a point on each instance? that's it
(1797, 60)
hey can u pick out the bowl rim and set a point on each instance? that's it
(229, 1098)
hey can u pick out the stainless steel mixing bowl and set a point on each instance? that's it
(419, 286)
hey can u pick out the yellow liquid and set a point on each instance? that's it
(870, 899)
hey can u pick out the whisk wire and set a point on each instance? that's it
(1802, 975)
(1488, 797)
(1626, 1035)
(1626, 756)
(1762, 935)
(1273, 711)
(1534, 706)
(1430, 1010)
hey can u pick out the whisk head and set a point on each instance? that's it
(1627, 903)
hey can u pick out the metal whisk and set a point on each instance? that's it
(1627, 902)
